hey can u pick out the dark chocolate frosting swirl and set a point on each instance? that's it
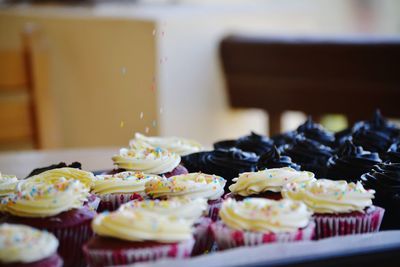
(316, 132)
(309, 154)
(273, 159)
(380, 124)
(384, 178)
(393, 153)
(372, 140)
(351, 162)
(283, 139)
(227, 163)
(256, 143)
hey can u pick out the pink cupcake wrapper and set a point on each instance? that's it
(71, 240)
(213, 208)
(203, 237)
(329, 225)
(101, 257)
(229, 238)
(112, 202)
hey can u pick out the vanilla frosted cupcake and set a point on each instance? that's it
(57, 207)
(177, 145)
(132, 235)
(116, 189)
(192, 210)
(143, 157)
(191, 185)
(340, 208)
(255, 221)
(25, 246)
(267, 183)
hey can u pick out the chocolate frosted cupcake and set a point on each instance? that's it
(24, 246)
(309, 154)
(256, 143)
(283, 139)
(351, 162)
(393, 153)
(225, 163)
(380, 124)
(316, 132)
(384, 178)
(273, 159)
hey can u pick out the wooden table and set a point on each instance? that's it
(23, 162)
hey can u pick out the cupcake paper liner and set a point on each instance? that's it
(71, 239)
(112, 202)
(103, 257)
(347, 224)
(227, 238)
(203, 237)
(213, 208)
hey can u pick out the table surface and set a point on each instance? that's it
(21, 163)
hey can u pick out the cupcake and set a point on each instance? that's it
(256, 221)
(316, 132)
(57, 207)
(379, 124)
(24, 246)
(384, 178)
(185, 208)
(340, 208)
(273, 159)
(191, 185)
(116, 189)
(75, 165)
(267, 183)
(350, 162)
(131, 236)
(145, 158)
(309, 154)
(286, 138)
(372, 140)
(221, 162)
(177, 145)
(255, 143)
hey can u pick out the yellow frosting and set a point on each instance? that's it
(51, 176)
(8, 184)
(24, 244)
(252, 183)
(180, 146)
(189, 209)
(123, 182)
(44, 200)
(141, 225)
(265, 215)
(327, 196)
(146, 158)
(192, 185)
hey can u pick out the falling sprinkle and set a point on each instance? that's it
(154, 123)
(147, 129)
(121, 124)
(161, 60)
(161, 110)
(154, 32)
(141, 115)
(162, 33)
(165, 59)
(123, 70)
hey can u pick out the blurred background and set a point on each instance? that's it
(92, 73)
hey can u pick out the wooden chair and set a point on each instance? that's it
(317, 76)
(27, 116)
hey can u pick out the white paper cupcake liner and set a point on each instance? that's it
(102, 257)
(229, 238)
(342, 224)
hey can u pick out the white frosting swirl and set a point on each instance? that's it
(189, 209)
(146, 158)
(24, 244)
(265, 215)
(180, 146)
(327, 196)
(253, 183)
(192, 185)
(8, 184)
(43, 199)
(123, 182)
(140, 225)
